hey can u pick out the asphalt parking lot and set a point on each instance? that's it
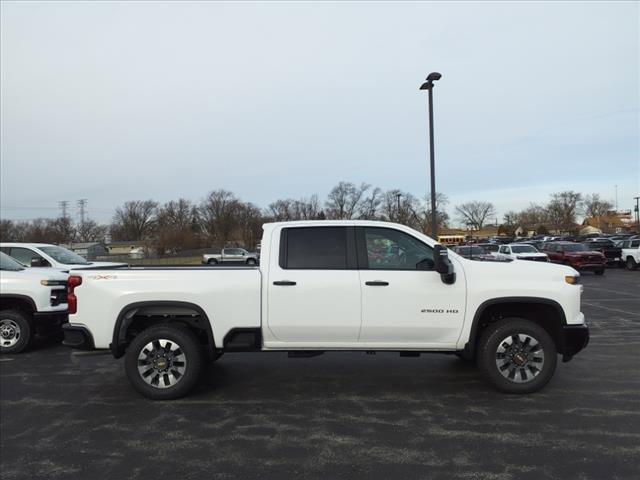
(340, 415)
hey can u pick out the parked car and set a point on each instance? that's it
(31, 301)
(630, 253)
(577, 256)
(53, 256)
(521, 251)
(490, 248)
(473, 252)
(607, 248)
(227, 255)
(332, 285)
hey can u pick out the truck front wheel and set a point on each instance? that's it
(517, 355)
(164, 362)
(15, 331)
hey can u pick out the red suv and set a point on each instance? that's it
(576, 255)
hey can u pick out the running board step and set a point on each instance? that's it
(304, 354)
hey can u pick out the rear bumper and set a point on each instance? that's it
(76, 336)
(573, 338)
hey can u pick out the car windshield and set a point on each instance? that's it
(63, 255)
(8, 263)
(573, 247)
(470, 250)
(523, 249)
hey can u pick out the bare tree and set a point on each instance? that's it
(175, 226)
(135, 220)
(563, 208)
(476, 213)
(219, 216)
(370, 205)
(11, 231)
(250, 222)
(424, 213)
(594, 206)
(344, 200)
(90, 231)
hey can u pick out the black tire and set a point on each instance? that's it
(599, 271)
(251, 261)
(212, 261)
(190, 355)
(15, 331)
(488, 356)
(631, 263)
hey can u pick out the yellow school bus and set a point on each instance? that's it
(451, 240)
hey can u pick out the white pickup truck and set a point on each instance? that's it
(31, 300)
(332, 285)
(630, 254)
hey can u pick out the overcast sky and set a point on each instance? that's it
(122, 101)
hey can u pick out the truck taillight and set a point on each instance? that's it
(72, 300)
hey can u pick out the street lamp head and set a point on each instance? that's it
(433, 76)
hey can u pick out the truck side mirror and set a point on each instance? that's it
(443, 265)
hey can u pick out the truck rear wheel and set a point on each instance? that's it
(164, 362)
(517, 355)
(631, 263)
(15, 331)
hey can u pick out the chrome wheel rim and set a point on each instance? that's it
(162, 363)
(9, 333)
(520, 358)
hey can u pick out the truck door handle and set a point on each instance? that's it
(377, 283)
(284, 283)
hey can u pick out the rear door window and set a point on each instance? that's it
(317, 248)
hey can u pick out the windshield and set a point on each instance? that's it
(470, 250)
(523, 249)
(63, 255)
(575, 247)
(8, 263)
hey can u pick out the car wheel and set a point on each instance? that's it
(212, 261)
(15, 331)
(164, 362)
(517, 356)
(599, 271)
(631, 264)
(251, 261)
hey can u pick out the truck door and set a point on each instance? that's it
(314, 287)
(404, 301)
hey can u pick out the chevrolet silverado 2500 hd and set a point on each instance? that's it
(332, 285)
(31, 300)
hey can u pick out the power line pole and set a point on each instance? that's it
(637, 212)
(616, 198)
(82, 203)
(64, 205)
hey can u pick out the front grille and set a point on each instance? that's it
(58, 297)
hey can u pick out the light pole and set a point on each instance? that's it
(428, 85)
(398, 195)
(637, 213)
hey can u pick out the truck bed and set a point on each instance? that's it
(228, 296)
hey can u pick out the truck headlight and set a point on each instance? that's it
(572, 279)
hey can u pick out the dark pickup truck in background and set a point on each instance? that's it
(607, 248)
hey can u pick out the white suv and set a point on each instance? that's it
(47, 255)
(30, 300)
(521, 251)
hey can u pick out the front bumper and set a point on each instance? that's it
(48, 322)
(76, 336)
(573, 338)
